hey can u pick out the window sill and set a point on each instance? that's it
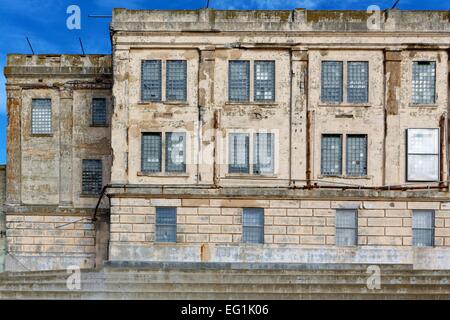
(252, 103)
(99, 125)
(41, 135)
(346, 177)
(345, 105)
(419, 105)
(250, 176)
(163, 174)
(89, 195)
(177, 103)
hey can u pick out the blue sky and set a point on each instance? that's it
(44, 22)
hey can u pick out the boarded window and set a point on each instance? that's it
(41, 116)
(176, 80)
(263, 153)
(424, 82)
(91, 177)
(253, 225)
(175, 152)
(238, 153)
(166, 224)
(264, 80)
(151, 152)
(239, 81)
(423, 154)
(99, 111)
(331, 155)
(423, 228)
(331, 84)
(357, 155)
(346, 227)
(151, 80)
(357, 82)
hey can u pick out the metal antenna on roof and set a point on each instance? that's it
(31, 47)
(207, 4)
(81, 45)
(395, 4)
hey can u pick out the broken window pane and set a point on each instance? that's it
(176, 80)
(264, 80)
(253, 225)
(239, 153)
(151, 80)
(166, 224)
(151, 152)
(331, 85)
(41, 116)
(331, 155)
(423, 154)
(239, 81)
(423, 228)
(175, 152)
(357, 155)
(423, 82)
(358, 82)
(91, 177)
(99, 111)
(263, 153)
(346, 227)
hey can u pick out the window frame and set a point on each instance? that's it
(247, 145)
(347, 174)
(355, 228)
(160, 98)
(255, 164)
(105, 124)
(340, 174)
(167, 63)
(273, 63)
(348, 82)
(160, 152)
(432, 228)
(248, 72)
(166, 153)
(258, 227)
(424, 154)
(322, 87)
(159, 224)
(87, 193)
(32, 120)
(418, 62)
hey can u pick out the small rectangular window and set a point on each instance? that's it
(263, 153)
(346, 227)
(331, 84)
(423, 154)
(41, 116)
(358, 82)
(423, 228)
(176, 76)
(175, 152)
(264, 80)
(424, 82)
(253, 225)
(151, 80)
(239, 153)
(238, 81)
(91, 177)
(357, 155)
(99, 111)
(151, 152)
(331, 155)
(166, 224)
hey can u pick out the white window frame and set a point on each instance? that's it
(437, 155)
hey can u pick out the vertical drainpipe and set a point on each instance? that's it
(442, 184)
(199, 117)
(308, 125)
(291, 74)
(383, 165)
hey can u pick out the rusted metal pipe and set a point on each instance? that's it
(442, 185)
(308, 148)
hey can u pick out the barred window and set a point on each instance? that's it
(346, 227)
(423, 228)
(91, 177)
(253, 225)
(239, 80)
(176, 80)
(358, 82)
(423, 154)
(264, 80)
(331, 155)
(99, 111)
(151, 152)
(175, 152)
(424, 82)
(331, 86)
(166, 224)
(263, 153)
(357, 155)
(239, 153)
(41, 116)
(151, 80)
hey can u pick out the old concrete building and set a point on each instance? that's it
(235, 136)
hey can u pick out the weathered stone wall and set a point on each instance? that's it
(2, 217)
(48, 219)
